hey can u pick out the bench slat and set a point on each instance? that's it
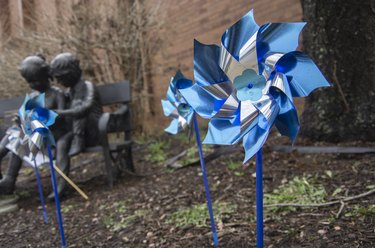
(115, 92)
(112, 147)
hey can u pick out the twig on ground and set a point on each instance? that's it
(171, 163)
(340, 209)
(321, 204)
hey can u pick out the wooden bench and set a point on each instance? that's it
(117, 154)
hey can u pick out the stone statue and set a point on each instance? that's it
(35, 70)
(84, 106)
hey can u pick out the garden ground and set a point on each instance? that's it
(162, 207)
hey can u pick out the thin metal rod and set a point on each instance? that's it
(57, 200)
(45, 217)
(259, 198)
(205, 181)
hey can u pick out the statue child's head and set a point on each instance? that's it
(65, 68)
(35, 70)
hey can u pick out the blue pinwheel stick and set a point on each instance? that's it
(247, 85)
(205, 181)
(45, 217)
(259, 197)
(57, 200)
(35, 120)
(177, 108)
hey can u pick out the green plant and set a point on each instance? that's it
(235, 166)
(156, 151)
(23, 194)
(66, 208)
(120, 216)
(183, 138)
(361, 210)
(28, 171)
(302, 190)
(197, 215)
(192, 154)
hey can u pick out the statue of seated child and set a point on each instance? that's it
(35, 70)
(84, 106)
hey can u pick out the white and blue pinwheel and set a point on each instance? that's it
(248, 83)
(35, 122)
(175, 106)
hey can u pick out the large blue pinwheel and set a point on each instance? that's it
(175, 106)
(248, 83)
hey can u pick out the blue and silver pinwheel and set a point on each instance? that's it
(248, 83)
(183, 115)
(175, 106)
(35, 120)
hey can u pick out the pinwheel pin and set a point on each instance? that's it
(247, 84)
(182, 115)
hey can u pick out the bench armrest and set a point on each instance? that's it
(121, 110)
(103, 123)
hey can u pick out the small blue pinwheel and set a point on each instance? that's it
(35, 120)
(175, 106)
(248, 83)
(183, 114)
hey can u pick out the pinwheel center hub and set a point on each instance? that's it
(250, 85)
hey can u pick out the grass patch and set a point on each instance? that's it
(235, 166)
(156, 151)
(198, 216)
(23, 194)
(300, 190)
(184, 138)
(358, 210)
(120, 217)
(66, 208)
(192, 154)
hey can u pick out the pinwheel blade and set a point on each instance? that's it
(304, 75)
(168, 107)
(206, 67)
(277, 38)
(253, 141)
(202, 102)
(237, 36)
(222, 132)
(173, 127)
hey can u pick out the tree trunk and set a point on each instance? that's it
(340, 37)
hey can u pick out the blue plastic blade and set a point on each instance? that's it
(253, 141)
(304, 76)
(202, 102)
(277, 38)
(239, 33)
(168, 107)
(173, 127)
(206, 68)
(222, 132)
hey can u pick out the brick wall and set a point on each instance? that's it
(183, 20)
(204, 20)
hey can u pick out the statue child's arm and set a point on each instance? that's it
(82, 109)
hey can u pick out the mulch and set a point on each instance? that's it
(143, 204)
